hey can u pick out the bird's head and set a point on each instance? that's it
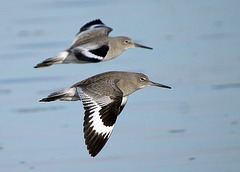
(131, 82)
(127, 43)
(142, 81)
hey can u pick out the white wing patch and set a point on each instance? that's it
(94, 109)
(91, 55)
(124, 100)
(86, 52)
(96, 26)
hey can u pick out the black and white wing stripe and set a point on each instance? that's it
(99, 120)
(123, 103)
(92, 29)
(92, 25)
(91, 53)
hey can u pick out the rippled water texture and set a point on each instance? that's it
(193, 127)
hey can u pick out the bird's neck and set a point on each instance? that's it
(115, 47)
(126, 87)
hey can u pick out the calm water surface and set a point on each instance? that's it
(193, 127)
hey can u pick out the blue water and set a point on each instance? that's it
(193, 127)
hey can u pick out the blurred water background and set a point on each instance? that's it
(193, 127)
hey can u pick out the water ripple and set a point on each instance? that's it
(29, 79)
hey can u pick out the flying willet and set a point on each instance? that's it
(104, 97)
(92, 44)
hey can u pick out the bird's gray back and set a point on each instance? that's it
(110, 83)
(94, 41)
(90, 30)
(101, 84)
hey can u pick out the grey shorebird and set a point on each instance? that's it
(104, 97)
(92, 44)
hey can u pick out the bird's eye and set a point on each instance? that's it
(127, 41)
(142, 79)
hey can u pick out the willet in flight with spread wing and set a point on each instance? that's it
(104, 97)
(92, 44)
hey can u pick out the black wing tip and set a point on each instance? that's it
(96, 145)
(96, 21)
(101, 51)
(93, 22)
(93, 154)
(94, 141)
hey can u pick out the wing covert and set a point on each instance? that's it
(100, 117)
(90, 30)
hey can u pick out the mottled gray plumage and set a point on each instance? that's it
(103, 96)
(92, 44)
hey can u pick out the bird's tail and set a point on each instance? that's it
(68, 94)
(58, 59)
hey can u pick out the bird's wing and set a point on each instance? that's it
(123, 103)
(91, 52)
(92, 29)
(101, 111)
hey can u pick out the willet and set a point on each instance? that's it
(92, 44)
(104, 97)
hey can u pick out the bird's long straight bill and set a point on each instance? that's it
(160, 85)
(142, 46)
